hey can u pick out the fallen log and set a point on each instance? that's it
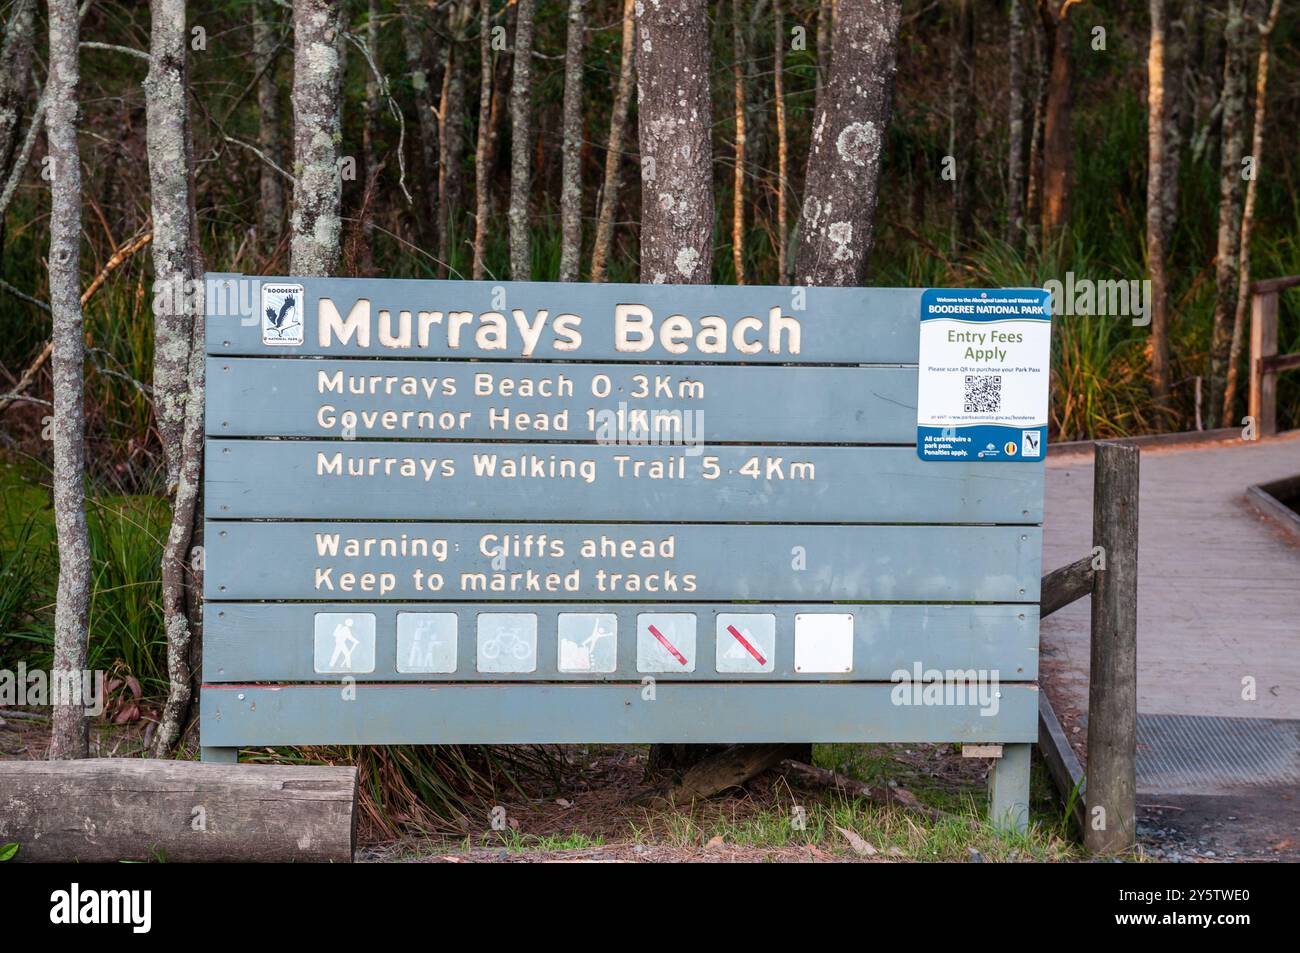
(113, 809)
(728, 768)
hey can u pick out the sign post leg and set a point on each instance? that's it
(1009, 804)
(219, 755)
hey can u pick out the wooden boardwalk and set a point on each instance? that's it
(1218, 584)
(1218, 605)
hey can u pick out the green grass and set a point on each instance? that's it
(126, 539)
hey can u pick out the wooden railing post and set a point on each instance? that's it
(1263, 345)
(1111, 797)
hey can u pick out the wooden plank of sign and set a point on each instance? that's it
(273, 642)
(266, 397)
(297, 479)
(627, 713)
(835, 325)
(658, 562)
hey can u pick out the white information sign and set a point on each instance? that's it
(983, 375)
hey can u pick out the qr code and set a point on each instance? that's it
(983, 393)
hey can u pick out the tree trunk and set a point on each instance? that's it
(1158, 119)
(674, 123)
(24, 153)
(69, 737)
(738, 177)
(782, 148)
(571, 187)
(15, 76)
(266, 50)
(317, 190)
(1227, 263)
(1248, 213)
(521, 137)
(825, 24)
(1016, 127)
(614, 149)
(451, 144)
(413, 28)
(1034, 187)
(675, 119)
(848, 143)
(501, 72)
(370, 115)
(961, 143)
(178, 339)
(1058, 133)
(481, 184)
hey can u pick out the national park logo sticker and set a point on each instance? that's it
(282, 315)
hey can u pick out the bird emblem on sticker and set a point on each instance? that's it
(282, 315)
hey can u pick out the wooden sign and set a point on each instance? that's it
(506, 512)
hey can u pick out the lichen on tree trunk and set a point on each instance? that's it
(317, 191)
(675, 116)
(848, 142)
(481, 184)
(521, 138)
(178, 337)
(571, 174)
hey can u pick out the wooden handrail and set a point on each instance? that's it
(1265, 362)
(1274, 285)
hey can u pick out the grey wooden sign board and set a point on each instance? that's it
(528, 512)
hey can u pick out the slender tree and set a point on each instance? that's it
(1248, 212)
(481, 183)
(1231, 152)
(825, 23)
(15, 75)
(571, 174)
(848, 142)
(614, 148)
(961, 128)
(413, 30)
(1034, 185)
(178, 335)
(676, 156)
(782, 147)
(1158, 123)
(318, 187)
(69, 737)
(738, 176)
(1016, 125)
(370, 111)
(451, 136)
(521, 138)
(270, 138)
(1058, 132)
